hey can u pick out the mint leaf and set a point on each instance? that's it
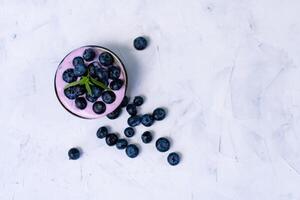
(98, 83)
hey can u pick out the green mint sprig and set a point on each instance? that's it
(87, 81)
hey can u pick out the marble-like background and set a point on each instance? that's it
(228, 72)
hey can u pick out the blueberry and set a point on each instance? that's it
(88, 55)
(106, 59)
(162, 144)
(147, 120)
(140, 43)
(138, 100)
(99, 107)
(102, 132)
(114, 114)
(129, 132)
(122, 144)
(131, 109)
(108, 97)
(125, 101)
(114, 72)
(96, 93)
(78, 61)
(132, 151)
(80, 90)
(80, 103)
(90, 98)
(74, 154)
(102, 74)
(159, 114)
(69, 76)
(146, 137)
(134, 120)
(111, 139)
(80, 70)
(70, 93)
(93, 67)
(116, 84)
(173, 158)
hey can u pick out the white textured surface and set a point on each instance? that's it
(228, 72)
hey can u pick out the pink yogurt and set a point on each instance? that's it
(88, 112)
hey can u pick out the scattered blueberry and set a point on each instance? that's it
(88, 55)
(162, 144)
(70, 92)
(114, 114)
(80, 90)
(80, 103)
(74, 154)
(134, 120)
(111, 139)
(108, 97)
(80, 70)
(159, 114)
(125, 101)
(138, 100)
(116, 84)
(140, 43)
(132, 151)
(78, 61)
(99, 107)
(131, 109)
(146, 137)
(69, 76)
(122, 144)
(102, 132)
(147, 120)
(106, 59)
(129, 132)
(114, 72)
(173, 158)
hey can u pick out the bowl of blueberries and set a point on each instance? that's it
(91, 82)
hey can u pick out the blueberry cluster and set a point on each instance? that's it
(162, 144)
(93, 79)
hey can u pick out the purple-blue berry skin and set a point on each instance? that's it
(80, 103)
(173, 159)
(129, 132)
(99, 107)
(114, 114)
(146, 137)
(111, 139)
(106, 59)
(121, 144)
(108, 97)
(125, 101)
(138, 101)
(140, 43)
(69, 76)
(114, 72)
(74, 154)
(102, 132)
(159, 114)
(131, 109)
(116, 84)
(70, 93)
(162, 144)
(77, 61)
(88, 55)
(147, 120)
(134, 121)
(132, 151)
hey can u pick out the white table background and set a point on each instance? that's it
(228, 72)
